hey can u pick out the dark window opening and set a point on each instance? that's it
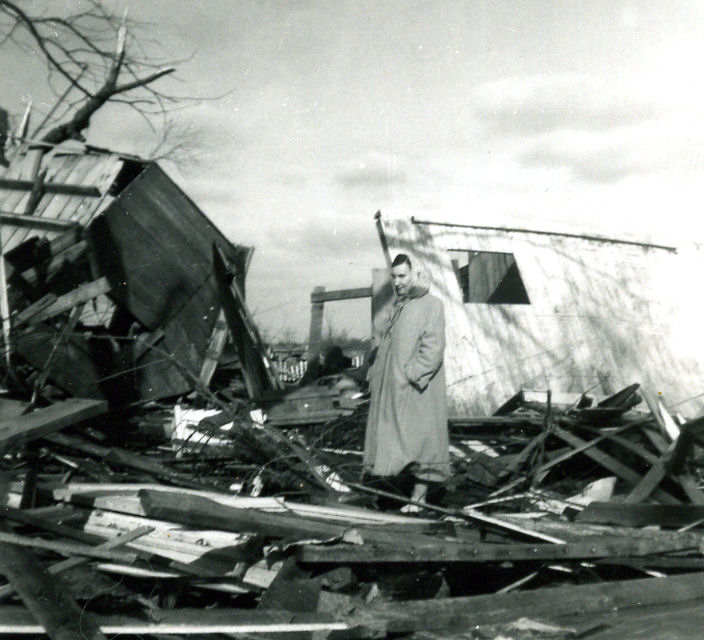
(489, 277)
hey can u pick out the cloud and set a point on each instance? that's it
(535, 104)
(605, 157)
(373, 171)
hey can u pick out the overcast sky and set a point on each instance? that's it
(546, 114)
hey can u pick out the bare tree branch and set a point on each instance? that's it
(85, 67)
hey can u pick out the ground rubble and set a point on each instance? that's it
(566, 516)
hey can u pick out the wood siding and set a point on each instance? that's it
(602, 315)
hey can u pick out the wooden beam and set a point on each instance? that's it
(320, 295)
(68, 301)
(315, 331)
(32, 222)
(610, 463)
(550, 602)
(594, 238)
(472, 553)
(640, 515)
(50, 187)
(42, 422)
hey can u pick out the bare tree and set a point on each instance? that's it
(91, 57)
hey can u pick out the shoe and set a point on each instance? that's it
(410, 508)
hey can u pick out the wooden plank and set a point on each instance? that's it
(640, 515)
(472, 553)
(36, 249)
(126, 459)
(71, 254)
(74, 369)
(647, 485)
(42, 422)
(154, 238)
(663, 418)
(61, 339)
(50, 604)
(256, 368)
(4, 306)
(70, 563)
(199, 511)
(37, 190)
(67, 548)
(691, 488)
(31, 222)
(550, 602)
(320, 295)
(467, 514)
(81, 294)
(34, 308)
(610, 463)
(50, 187)
(212, 354)
(202, 621)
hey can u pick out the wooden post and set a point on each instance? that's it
(382, 239)
(4, 304)
(315, 334)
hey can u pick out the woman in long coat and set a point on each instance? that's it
(408, 412)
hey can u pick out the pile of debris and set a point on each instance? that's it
(159, 478)
(565, 516)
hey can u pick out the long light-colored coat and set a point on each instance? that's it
(408, 411)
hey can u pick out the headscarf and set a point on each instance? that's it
(420, 286)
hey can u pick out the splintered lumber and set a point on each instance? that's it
(444, 553)
(256, 368)
(610, 463)
(55, 611)
(216, 344)
(640, 515)
(66, 548)
(582, 532)
(70, 563)
(43, 422)
(198, 511)
(44, 524)
(57, 261)
(68, 301)
(546, 603)
(35, 308)
(126, 459)
(205, 621)
(465, 514)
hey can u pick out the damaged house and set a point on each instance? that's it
(109, 275)
(528, 309)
